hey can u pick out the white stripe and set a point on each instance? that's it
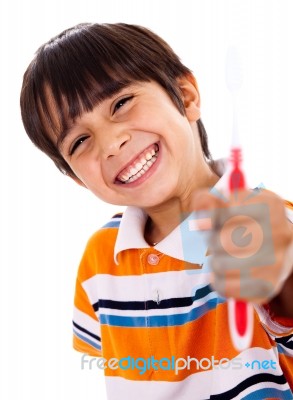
(194, 387)
(198, 385)
(114, 219)
(154, 312)
(141, 287)
(86, 322)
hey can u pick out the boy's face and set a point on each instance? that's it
(136, 148)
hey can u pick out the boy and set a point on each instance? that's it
(117, 111)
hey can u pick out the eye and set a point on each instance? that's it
(76, 144)
(121, 103)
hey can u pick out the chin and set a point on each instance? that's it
(155, 200)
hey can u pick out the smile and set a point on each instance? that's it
(140, 165)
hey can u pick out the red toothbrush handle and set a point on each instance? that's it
(240, 313)
(237, 180)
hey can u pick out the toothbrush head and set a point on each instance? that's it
(234, 74)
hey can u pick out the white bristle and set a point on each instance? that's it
(234, 78)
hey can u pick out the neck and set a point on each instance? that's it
(165, 217)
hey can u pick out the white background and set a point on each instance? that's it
(46, 219)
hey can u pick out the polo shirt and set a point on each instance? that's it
(161, 329)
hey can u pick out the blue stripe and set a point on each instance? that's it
(281, 350)
(269, 393)
(159, 320)
(284, 350)
(80, 328)
(86, 340)
(112, 224)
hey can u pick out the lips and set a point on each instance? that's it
(139, 166)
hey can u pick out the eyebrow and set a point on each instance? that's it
(105, 94)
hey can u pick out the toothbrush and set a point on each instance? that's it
(240, 313)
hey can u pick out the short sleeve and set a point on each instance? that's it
(98, 258)
(86, 324)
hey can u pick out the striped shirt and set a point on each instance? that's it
(164, 329)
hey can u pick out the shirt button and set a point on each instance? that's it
(153, 259)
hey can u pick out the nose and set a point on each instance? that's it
(112, 142)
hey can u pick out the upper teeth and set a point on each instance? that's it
(136, 170)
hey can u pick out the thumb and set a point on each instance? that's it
(204, 203)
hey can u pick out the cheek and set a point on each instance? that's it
(89, 174)
(156, 116)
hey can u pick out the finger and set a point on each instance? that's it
(205, 200)
(241, 289)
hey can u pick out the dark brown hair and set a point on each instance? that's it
(86, 64)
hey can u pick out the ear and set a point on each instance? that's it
(190, 96)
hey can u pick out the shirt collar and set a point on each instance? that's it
(131, 230)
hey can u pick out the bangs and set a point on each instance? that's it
(57, 107)
(84, 66)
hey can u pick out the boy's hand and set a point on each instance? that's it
(251, 244)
